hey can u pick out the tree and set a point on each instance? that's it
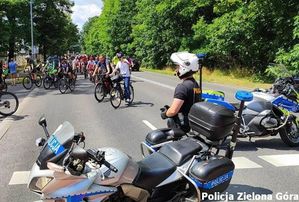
(14, 25)
(248, 33)
(290, 56)
(162, 27)
(55, 33)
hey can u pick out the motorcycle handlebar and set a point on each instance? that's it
(99, 157)
(108, 165)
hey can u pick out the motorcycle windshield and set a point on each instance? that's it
(63, 134)
(57, 145)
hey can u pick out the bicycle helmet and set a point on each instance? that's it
(119, 55)
(187, 62)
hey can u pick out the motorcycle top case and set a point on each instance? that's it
(211, 120)
(213, 175)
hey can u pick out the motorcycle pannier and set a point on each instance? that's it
(213, 175)
(211, 120)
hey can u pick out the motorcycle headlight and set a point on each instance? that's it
(38, 183)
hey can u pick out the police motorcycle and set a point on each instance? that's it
(179, 171)
(287, 86)
(265, 115)
(271, 113)
(268, 114)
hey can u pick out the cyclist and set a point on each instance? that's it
(186, 93)
(103, 66)
(125, 71)
(90, 67)
(31, 68)
(115, 59)
(65, 68)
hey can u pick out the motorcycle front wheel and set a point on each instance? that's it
(289, 134)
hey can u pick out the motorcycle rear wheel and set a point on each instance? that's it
(290, 134)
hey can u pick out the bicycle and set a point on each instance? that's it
(3, 85)
(102, 88)
(67, 83)
(29, 80)
(9, 103)
(52, 78)
(117, 92)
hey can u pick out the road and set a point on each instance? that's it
(124, 129)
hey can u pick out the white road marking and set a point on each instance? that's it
(155, 82)
(148, 124)
(19, 177)
(282, 160)
(243, 163)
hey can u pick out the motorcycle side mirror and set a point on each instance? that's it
(40, 142)
(42, 121)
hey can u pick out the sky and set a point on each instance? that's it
(85, 9)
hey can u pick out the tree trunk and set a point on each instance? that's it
(44, 52)
(11, 49)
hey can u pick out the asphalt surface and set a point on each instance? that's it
(124, 129)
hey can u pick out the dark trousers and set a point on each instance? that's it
(127, 87)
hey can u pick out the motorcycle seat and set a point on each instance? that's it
(153, 170)
(165, 134)
(181, 151)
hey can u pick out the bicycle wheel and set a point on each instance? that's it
(56, 81)
(99, 92)
(72, 84)
(38, 81)
(47, 82)
(27, 82)
(3, 87)
(132, 94)
(9, 103)
(115, 97)
(63, 86)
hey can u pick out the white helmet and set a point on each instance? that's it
(187, 62)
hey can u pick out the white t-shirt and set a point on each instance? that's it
(123, 68)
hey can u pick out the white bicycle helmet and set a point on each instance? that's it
(187, 62)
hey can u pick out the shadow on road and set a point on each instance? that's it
(137, 104)
(13, 117)
(274, 143)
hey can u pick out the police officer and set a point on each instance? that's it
(185, 94)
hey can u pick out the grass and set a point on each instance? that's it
(235, 77)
